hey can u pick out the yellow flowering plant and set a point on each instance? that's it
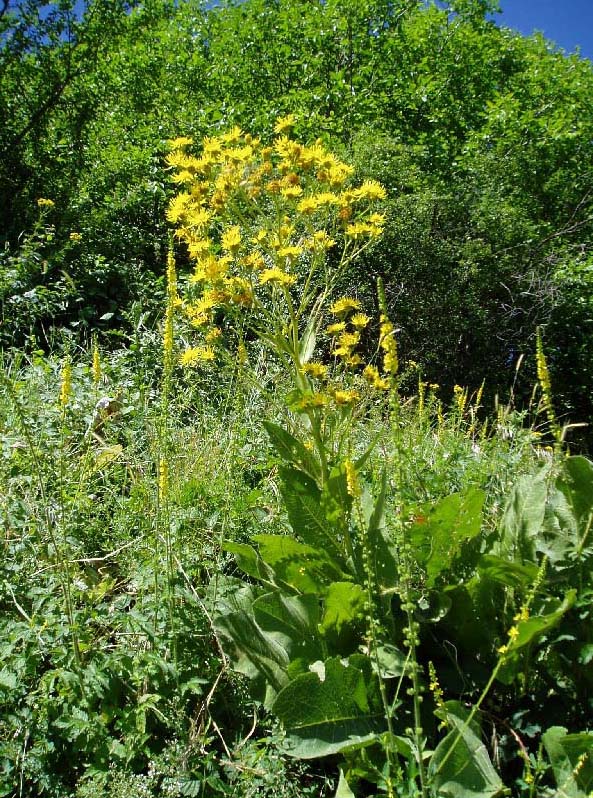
(269, 231)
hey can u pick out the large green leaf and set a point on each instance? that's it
(297, 565)
(292, 450)
(523, 517)
(460, 766)
(335, 706)
(577, 481)
(437, 536)
(255, 653)
(344, 603)
(571, 757)
(507, 572)
(293, 620)
(383, 557)
(249, 561)
(302, 499)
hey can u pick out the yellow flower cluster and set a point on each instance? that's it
(256, 218)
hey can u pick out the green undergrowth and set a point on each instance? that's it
(113, 678)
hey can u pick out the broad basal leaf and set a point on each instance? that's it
(326, 711)
(441, 529)
(301, 567)
(571, 757)
(460, 766)
(302, 499)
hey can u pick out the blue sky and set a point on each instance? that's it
(566, 22)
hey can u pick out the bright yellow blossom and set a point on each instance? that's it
(285, 123)
(344, 306)
(277, 276)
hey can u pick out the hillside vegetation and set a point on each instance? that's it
(296, 315)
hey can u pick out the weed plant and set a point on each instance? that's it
(239, 560)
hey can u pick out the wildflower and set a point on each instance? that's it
(198, 246)
(315, 369)
(178, 207)
(285, 123)
(320, 241)
(335, 328)
(213, 334)
(371, 190)
(42, 202)
(344, 306)
(163, 479)
(310, 401)
(362, 229)
(345, 397)
(359, 321)
(75, 236)
(372, 376)
(352, 483)
(231, 239)
(180, 142)
(66, 385)
(277, 276)
(96, 364)
(233, 135)
(291, 192)
(195, 355)
(388, 344)
(290, 253)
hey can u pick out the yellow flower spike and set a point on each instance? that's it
(352, 483)
(163, 479)
(66, 384)
(96, 364)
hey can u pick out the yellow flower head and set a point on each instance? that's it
(315, 369)
(180, 142)
(42, 202)
(284, 123)
(231, 239)
(344, 306)
(345, 397)
(359, 321)
(276, 276)
(195, 355)
(337, 327)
